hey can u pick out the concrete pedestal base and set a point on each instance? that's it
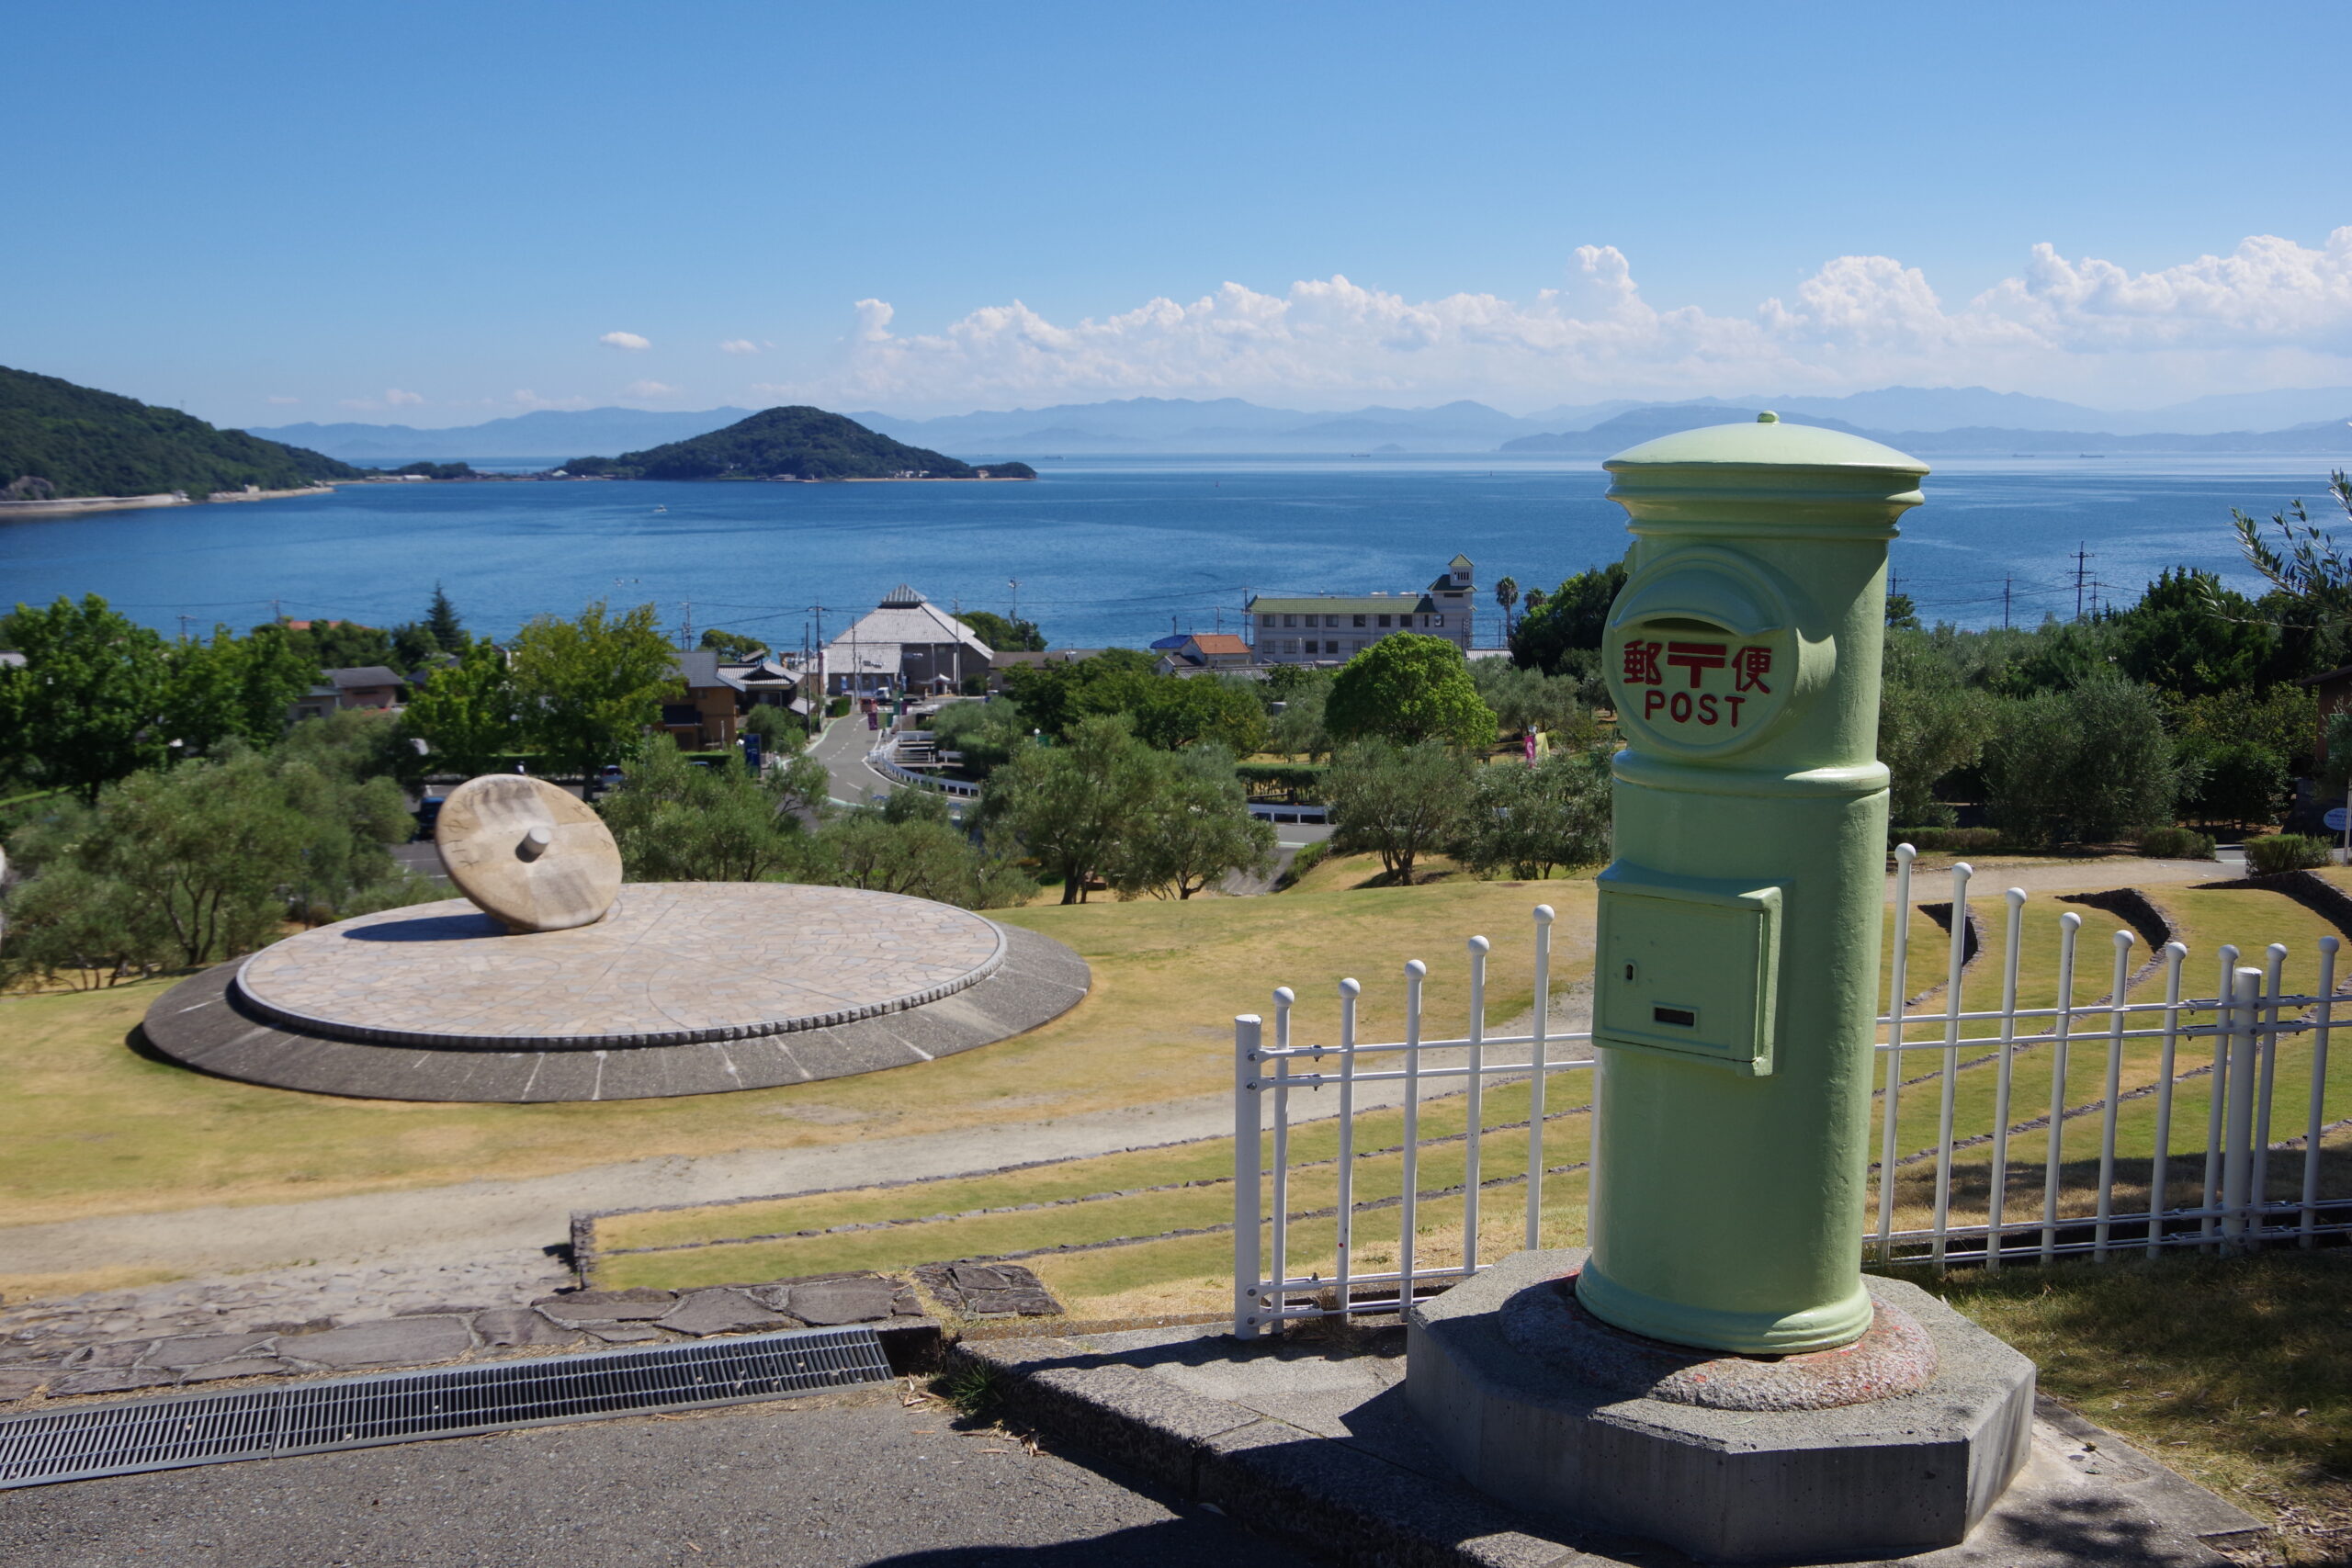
(1883, 1478)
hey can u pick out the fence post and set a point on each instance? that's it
(2267, 1055)
(1477, 1105)
(1997, 1192)
(2237, 1157)
(1249, 1323)
(1950, 1079)
(1539, 1061)
(1410, 1210)
(1279, 1263)
(2309, 1218)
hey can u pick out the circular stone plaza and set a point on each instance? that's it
(692, 988)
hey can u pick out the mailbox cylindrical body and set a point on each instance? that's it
(1737, 970)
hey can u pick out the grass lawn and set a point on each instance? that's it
(91, 1126)
(2235, 1371)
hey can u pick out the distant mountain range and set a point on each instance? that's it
(2331, 438)
(1933, 422)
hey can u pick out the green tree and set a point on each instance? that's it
(95, 929)
(1299, 730)
(733, 644)
(2232, 781)
(2193, 638)
(985, 735)
(1180, 711)
(1398, 802)
(780, 733)
(2086, 764)
(1930, 723)
(1524, 698)
(1003, 635)
(468, 713)
(1055, 697)
(233, 687)
(906, 842)
(1409, 688)
(220, 847)
(1902, 614)
(676, 822)
(1574, 617)
(441, 620)
(1506, 596)
(1528, 820)
(85, 707)
(1073, 805)
(1195, 828)
(340, 645)
(588, 688)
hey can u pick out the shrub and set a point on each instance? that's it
(1948, 840)
(838, 707)
(2176, 843)
(1306, 860)
(2276, 853)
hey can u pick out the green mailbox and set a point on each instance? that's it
(1737, 968)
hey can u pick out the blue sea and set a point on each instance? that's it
(1104, 550)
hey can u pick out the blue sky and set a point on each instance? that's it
(440, 213)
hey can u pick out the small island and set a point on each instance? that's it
(802, 444)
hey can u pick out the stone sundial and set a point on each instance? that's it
(529, 854)
(552, 980)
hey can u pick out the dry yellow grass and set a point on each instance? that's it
(91, 1126)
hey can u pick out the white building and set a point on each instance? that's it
(1331, 629)
(905, 644)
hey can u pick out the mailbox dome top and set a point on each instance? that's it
(1768, 442)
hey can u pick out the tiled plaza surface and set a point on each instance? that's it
(673, 963)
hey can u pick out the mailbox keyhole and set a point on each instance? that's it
(1629, 972)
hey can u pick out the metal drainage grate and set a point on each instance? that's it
(396, 1407)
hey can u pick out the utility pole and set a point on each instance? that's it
(183, 621)
(687, 630)
(1014, 583)
(2004, 603)
(2082, 576)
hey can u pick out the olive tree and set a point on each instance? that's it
(1398, 802)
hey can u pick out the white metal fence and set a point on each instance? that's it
(2014, 1122)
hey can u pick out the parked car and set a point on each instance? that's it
(429, 813)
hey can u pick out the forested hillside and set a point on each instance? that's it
(57, 439)
(791, 443)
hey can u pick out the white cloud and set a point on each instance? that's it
(523, 397)
(2272, 312)
(739, 345)
(282, 402)
(651, 390)
(625, 340)
(393, 398)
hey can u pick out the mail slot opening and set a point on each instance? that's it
(1682, 1017)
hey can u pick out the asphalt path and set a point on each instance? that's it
(814, 1483)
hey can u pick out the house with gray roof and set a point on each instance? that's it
(904, 643)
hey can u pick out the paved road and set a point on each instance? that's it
(827, 1484)
(842, 749)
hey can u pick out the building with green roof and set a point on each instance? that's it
(1331, 629)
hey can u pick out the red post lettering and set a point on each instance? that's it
(1652, 700)
(1695, 656)
(1735, 703)
(1707, 714)
(1679, 709)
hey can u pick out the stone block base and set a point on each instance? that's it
(1884, 1478)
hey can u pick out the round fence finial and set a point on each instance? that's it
(1479, 944)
